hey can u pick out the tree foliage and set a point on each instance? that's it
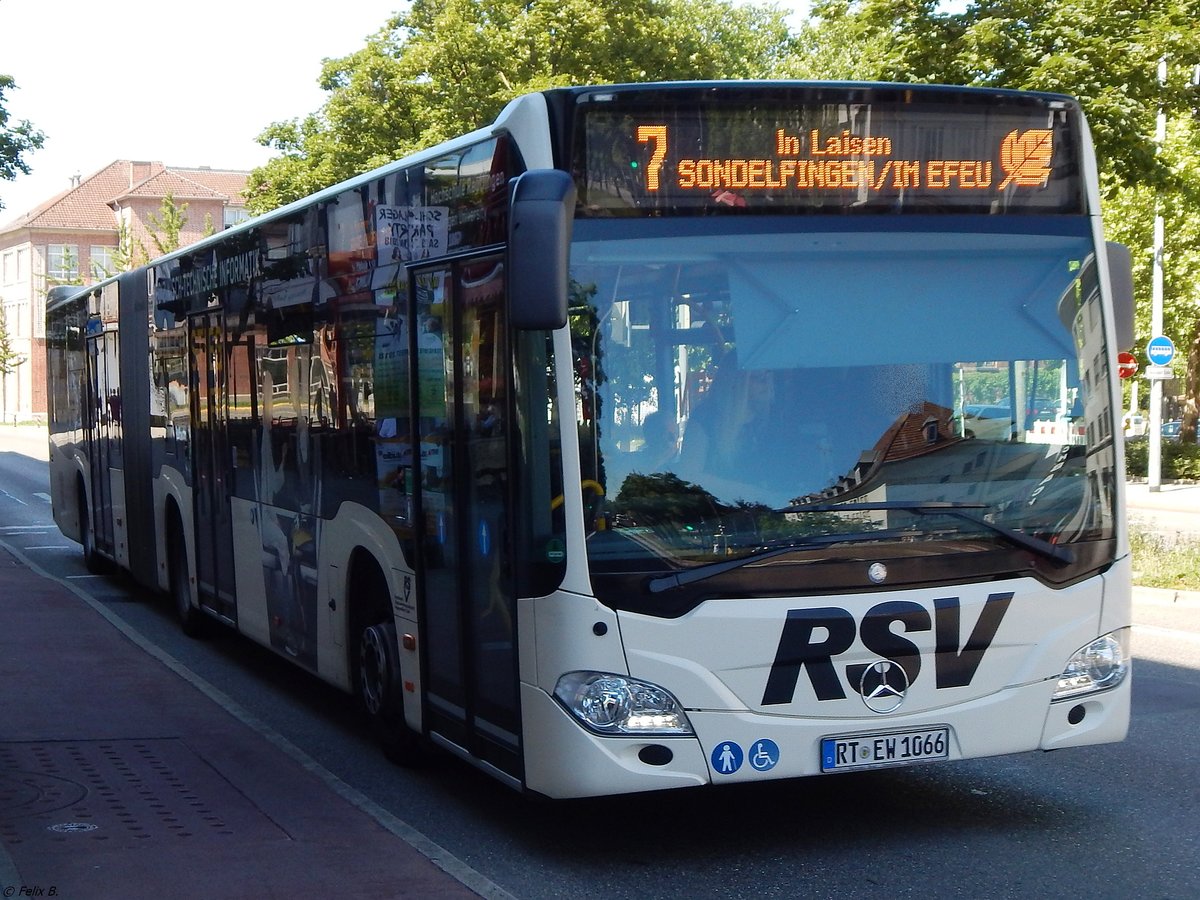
(1129, 218)
(1106, 53)
(165, 226)
(664, 497)
(445, 67)
(16, 139)
(10, 357)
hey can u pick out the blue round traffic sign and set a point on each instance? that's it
(1160, 351)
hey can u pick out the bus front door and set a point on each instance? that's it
(210, 465)
(464, 553)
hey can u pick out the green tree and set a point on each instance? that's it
(1105, 52)
(1129, 218)
(70, 263)
(125, 257)
(665, 498)
(166, 225)
(445, 67)
(9, 360)
(835, 44)
(16, 139)
(877, 40)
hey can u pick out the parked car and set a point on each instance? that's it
(1044, 408)
(988, 422)
(1174, 431)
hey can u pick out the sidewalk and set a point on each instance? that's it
(28, 440)
(1172, 497)
(1173, 511)
(120, 778)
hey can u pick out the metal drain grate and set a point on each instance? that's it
(127, 791)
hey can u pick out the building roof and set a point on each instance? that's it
(230, 183)
(87, 206)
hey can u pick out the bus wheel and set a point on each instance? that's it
(191, 619)
(379, 687)
(92, 560)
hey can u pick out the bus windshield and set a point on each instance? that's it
(773, 386)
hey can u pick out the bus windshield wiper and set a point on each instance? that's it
(661, 583)
(958, 510)
(1043, 548)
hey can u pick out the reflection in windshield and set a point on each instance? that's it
(724, 379)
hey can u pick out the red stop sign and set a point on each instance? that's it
(1127, 364)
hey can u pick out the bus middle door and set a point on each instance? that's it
(102, 425)
(211, 464)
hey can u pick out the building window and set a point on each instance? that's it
(103, 262)
(10, 268)
(22, 264)
(62, 262)
(235, 215)
(16, 320)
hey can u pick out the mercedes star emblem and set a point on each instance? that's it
(883, 686)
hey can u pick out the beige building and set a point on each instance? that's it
(73, 239)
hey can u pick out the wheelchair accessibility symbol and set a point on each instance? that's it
(763, 755)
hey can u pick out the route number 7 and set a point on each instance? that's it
(657, 134)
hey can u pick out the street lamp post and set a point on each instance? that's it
(1154, 462)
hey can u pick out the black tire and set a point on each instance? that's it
(92, 560)
(192, 620)
(380, 685)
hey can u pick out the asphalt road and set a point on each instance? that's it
(1112, 821)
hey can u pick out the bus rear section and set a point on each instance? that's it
(845, 397)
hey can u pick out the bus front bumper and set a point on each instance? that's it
(564, 760)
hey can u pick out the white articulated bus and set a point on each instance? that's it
(652, 436)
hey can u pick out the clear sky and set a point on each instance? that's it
(186, 85)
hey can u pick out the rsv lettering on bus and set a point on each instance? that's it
(812, 639)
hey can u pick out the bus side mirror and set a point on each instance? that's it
(540, 216)
(1120, 276)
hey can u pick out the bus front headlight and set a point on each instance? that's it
(618, 705)
(1101, 665)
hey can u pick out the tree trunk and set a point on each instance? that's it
(1191, 390)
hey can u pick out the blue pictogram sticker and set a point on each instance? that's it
(726, 758)
(764, 754)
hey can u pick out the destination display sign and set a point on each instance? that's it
(764, 155)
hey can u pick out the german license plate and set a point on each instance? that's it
(889, 748)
